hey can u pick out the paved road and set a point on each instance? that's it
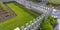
(58, 24)
(56, 14)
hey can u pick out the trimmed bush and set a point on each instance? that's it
(48, 23)
(45, 25)
(52, 20)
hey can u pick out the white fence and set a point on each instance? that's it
(35, 24)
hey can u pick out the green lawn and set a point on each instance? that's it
(24, 15)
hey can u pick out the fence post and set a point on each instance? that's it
(22, 27)
(30, 25)
(34, 23)
(37, 24)
(27, 28)
(17, 28)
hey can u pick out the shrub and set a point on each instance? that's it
(52, 20)
(48, 23)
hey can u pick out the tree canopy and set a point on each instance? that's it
(54, 1)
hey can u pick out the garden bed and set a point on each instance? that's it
(5, 12)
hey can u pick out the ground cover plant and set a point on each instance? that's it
(48, 23)
(24, 16)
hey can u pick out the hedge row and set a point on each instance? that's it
(48, 23)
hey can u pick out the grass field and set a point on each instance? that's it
(24, 16)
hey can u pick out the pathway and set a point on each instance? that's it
(56, 14)
(58, 24)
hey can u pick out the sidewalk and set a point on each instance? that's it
(58, 24)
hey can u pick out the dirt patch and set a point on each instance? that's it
(4, 15)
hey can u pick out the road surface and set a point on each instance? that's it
(56, 14)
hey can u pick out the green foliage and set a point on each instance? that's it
(47, 23)
(47, 27)
(53, 1)
(3, 6)
(52, 20)
(49, 4)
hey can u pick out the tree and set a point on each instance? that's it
(54, 1)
